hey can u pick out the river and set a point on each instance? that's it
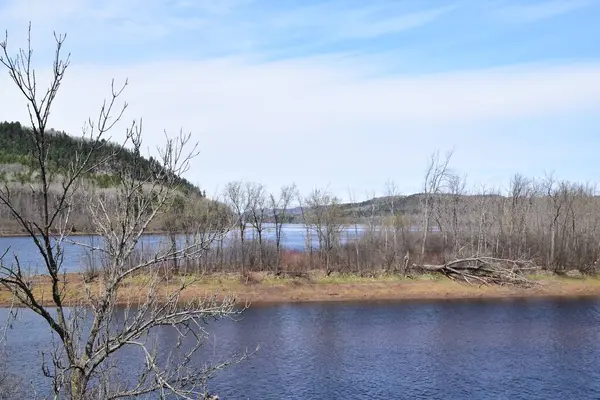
(517, 349)
(76, 256)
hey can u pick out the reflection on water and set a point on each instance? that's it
(537, 349)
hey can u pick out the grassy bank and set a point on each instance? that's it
(264, 289)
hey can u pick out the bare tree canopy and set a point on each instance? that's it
(436, 175)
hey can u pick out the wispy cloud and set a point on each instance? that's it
(326, 113)
(219, 7)
(107, 20)
(539, 9)
(232, 25)
(341, 20)
(296, 81)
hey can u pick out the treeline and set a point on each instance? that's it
(17, 146)
(553, 224)
(80, 217)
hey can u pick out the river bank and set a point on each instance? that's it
(391, 288)
(267, 289)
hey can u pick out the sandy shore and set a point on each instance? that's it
(268, 290)
(409, 290)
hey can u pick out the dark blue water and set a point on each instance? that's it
(536, 349)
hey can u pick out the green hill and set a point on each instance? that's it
(16, 142)
(19, 172)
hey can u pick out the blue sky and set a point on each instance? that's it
(340, 94)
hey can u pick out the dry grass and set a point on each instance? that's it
(266, 288)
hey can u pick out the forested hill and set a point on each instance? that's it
(15, 145)
(409, 206)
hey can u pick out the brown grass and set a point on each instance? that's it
(265, 288)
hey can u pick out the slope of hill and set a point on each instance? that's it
(18, 171)
(16, 159)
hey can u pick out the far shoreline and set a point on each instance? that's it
(5, 235)
(272, 291)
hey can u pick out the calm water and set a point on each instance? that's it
(293, 238)
(537, 349)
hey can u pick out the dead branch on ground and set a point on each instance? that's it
(486, 271)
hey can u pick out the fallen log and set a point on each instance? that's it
(486, 271)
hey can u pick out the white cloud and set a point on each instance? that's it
(333, 119)
(318, 122)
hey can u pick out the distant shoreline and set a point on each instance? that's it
(271, 290)
(22, 234)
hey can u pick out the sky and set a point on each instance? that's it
(340, 95)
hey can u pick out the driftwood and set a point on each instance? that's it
(486, 271)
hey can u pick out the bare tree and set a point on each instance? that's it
(175, 225)
(355, 224)
(325, 216)
(308, 228)
(371, 233)
(435, 175)
(482, 222)
(556, 210)
(279, 208)
(520, 188)
(391, 195)
(257, 210)
(237, 198)
(446, 210)
(455, 207)
(90, 328)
